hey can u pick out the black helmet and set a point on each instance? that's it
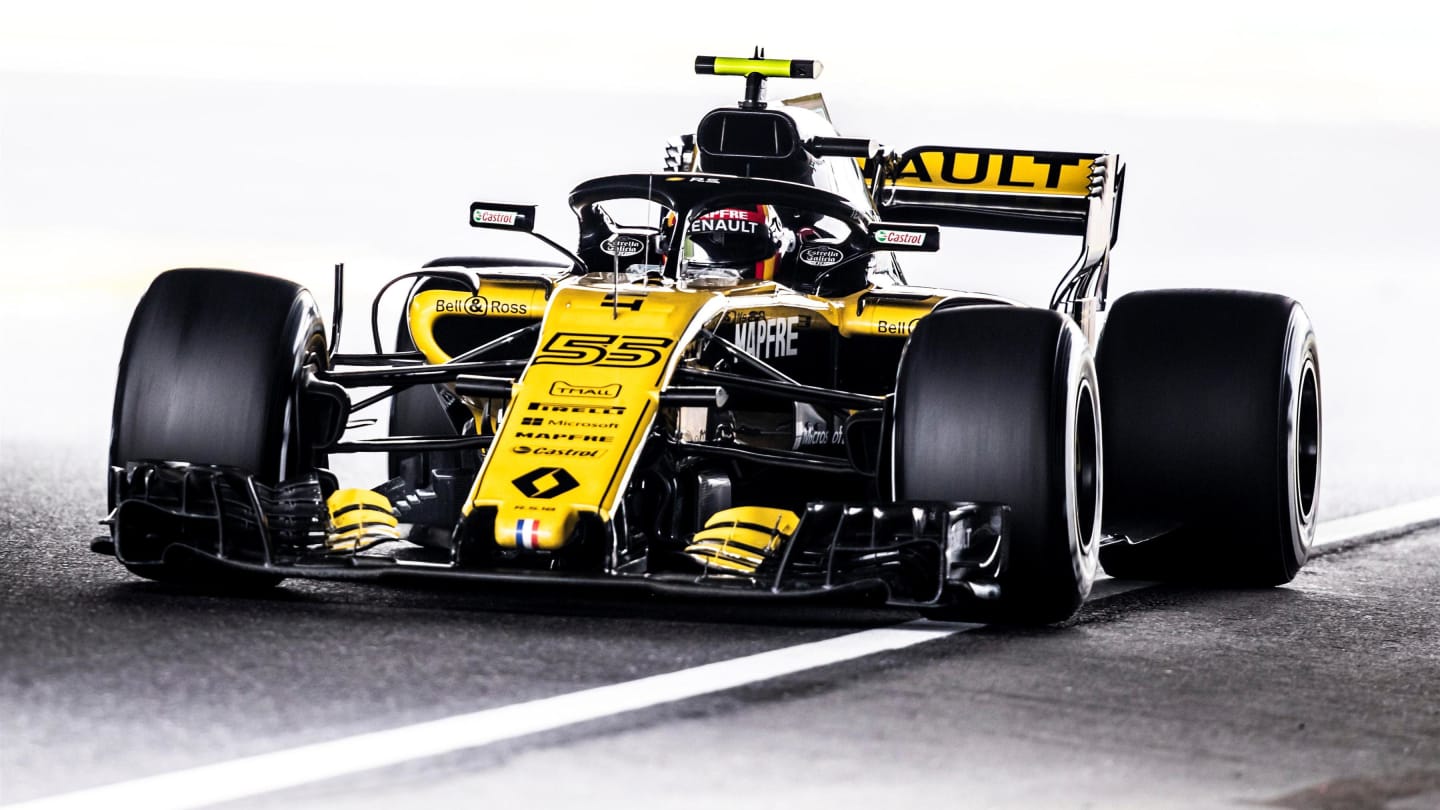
(726, 245)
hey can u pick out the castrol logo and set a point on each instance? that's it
(487, 217)
(890, 237)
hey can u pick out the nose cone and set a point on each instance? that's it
(530, 528)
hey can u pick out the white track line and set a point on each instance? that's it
(249, 776)
(1333, 535)
(266, 773)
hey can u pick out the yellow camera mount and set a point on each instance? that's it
(756, 70)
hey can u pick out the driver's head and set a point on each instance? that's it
(735, 243)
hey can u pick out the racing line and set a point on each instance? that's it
(266, 773)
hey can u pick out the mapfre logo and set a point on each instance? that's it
(564, 389)
(767, 338)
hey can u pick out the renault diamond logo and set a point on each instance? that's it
(545, 482)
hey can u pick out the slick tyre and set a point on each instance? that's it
(210, 374)
(1000, 404)
(1212, 408)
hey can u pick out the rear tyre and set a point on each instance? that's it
(1212, 398)
(1000, 404)
(210, 374)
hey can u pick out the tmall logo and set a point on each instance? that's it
(564, 389)
(545, 482)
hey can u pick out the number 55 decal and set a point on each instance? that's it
(614, 351)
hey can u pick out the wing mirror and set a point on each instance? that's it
(503, 216)
(518, 218)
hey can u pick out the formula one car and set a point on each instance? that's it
(728, 388)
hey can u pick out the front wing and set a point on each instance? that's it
(913, 554)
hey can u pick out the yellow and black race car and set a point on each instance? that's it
(727, 387)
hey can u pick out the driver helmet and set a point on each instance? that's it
(727, 245)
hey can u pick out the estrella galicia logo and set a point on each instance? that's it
(622, 246)
(545, 482)
(821, 255)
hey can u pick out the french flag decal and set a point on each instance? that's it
(527, 534)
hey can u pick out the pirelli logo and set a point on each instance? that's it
(1000, 170)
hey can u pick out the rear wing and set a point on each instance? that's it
(1074, 193)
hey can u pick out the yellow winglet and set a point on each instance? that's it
(738, 540)
(359, 518)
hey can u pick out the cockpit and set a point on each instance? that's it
(712, 231)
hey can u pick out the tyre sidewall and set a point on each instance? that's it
(1302, 372)
(1080, 383)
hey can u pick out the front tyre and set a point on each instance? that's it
(211, 373)
(1001, 404)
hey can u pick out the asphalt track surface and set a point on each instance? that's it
(1321, 694)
